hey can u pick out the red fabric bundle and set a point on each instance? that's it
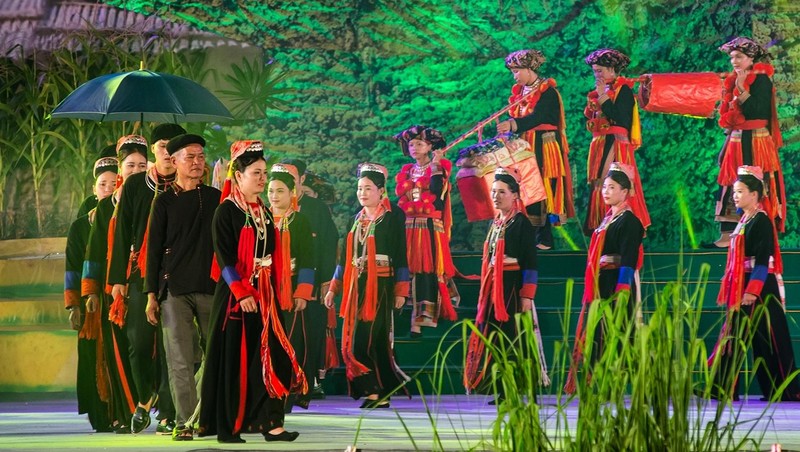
(689, 94)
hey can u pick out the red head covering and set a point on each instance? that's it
(239, 149)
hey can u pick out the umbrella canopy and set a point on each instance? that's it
(142, 96)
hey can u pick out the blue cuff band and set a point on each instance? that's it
(91, 270)
(230, 275)
(402, 274)
(759, 273)
(305, 275)
(625, 276)
(72, 281)
(339, 273)
(530, 276)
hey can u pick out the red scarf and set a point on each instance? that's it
(491, 290)
(733, 282)
(591, 291)
(285, 243)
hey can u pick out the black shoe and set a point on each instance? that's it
(317, 393)
(140, 419)
(497, 401)
(302, 402)
(282, 436)
(165, 428)
(370, 404)
(122, 429)
(232, 440)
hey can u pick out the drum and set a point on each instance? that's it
(475, 176)
(689, 94)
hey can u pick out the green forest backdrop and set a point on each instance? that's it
(357, 72)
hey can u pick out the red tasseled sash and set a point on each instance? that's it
(285, 280)
(270, 317)
(476, 365)
(119, 308)
(331, 352)
(491, 290)
(730, 292)
(91, 330)
(349, 309)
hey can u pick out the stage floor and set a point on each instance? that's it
(463, 422)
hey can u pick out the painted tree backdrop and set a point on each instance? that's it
(363, 70)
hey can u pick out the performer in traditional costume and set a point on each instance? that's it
(752, 290)
(615, 257)
(373, 276)
(320, 322)
(177, 277)
(423, 190)
(749, 116)
(116, 385)
(613, 119)
(540, 121)
(89, 401)
(126, 276)
(250, 364)
(508, 278)
(297, 283)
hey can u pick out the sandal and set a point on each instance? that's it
(183, 433)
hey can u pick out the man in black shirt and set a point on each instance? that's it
(178, 278)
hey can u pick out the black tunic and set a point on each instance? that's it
(325, 239)
(547, 111)
(134, 211)
(227, 364)
(115, 343)
(623, 238)
(89, 402)
(299, 326)
(772, 342)
(179, 248)
(373, 341)
(520, 245)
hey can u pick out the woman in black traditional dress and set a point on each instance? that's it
(373, 276)
(250, 365)
(752, 281)
(614, 258)
(114, 382)
(89, 402)
(509, 277)
(298, 254)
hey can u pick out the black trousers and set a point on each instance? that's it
(146, 352)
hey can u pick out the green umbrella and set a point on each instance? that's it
(143, 96)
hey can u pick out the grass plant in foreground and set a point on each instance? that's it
(638, 393)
